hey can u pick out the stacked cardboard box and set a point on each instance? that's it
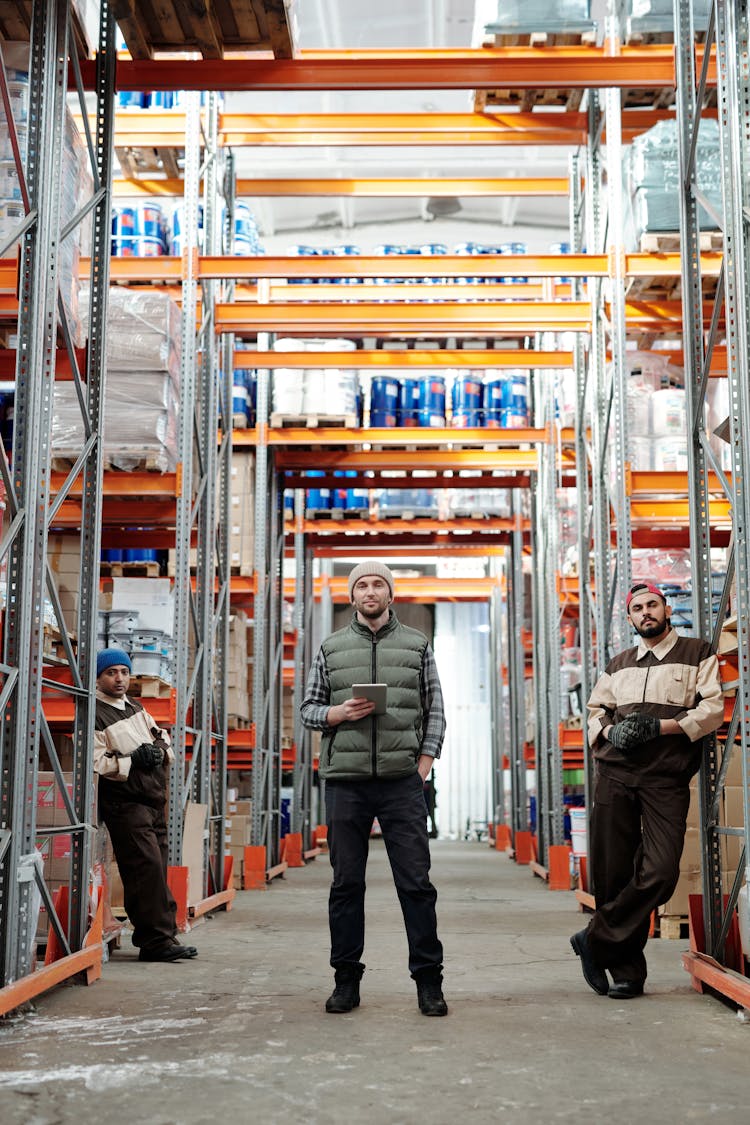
(287, 714)
(731, 816)
(237, 826)
(238, 700)
(64, 555)
(242, 516)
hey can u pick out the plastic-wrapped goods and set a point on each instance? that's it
(140, 421)
(333, 391)
(668, 412)
(670, 454)
(144, 331)
(141, 400)
(654, 176)
(648, 16)
(542, 15)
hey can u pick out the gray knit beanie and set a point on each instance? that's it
(370, 566)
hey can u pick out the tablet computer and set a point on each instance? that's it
(378, 692)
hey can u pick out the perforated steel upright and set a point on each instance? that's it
(301, 818)
(732, 36)
(41, 316)
(268, 633)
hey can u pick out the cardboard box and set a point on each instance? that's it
(50, 807)
(194, 837)
(237, 831)
(239, 808)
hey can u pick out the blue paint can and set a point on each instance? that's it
(408, 402)
(384, 396)
(466, 401)
(432, 401)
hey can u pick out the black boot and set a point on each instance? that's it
(345, 995)
(430, 992)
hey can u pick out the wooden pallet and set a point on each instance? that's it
(665, 288)
(238, 722)
(149, 687)
(526, 100)
(408, 514)
(129, 570)
(314, 421)
(672, 927)
(210, 27)
(337, 513)
(671, 242)
(63, 463)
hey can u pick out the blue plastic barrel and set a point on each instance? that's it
(131, 99)
(318, 499)
(408, 402)
(515, 410)
(384, 395)
(338, 494)
(466, 401)
(160, 99)
(493, 401)
(356, 498)
(431, 412)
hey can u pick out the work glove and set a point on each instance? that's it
(625, 735)
(647, 726)
(156, 734)
(147, 756)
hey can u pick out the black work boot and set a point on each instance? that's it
(430, 992)
(345, 995)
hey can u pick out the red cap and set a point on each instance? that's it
(639, 588)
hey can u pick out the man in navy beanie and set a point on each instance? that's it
(131, 758)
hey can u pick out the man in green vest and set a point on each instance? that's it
(374, 765)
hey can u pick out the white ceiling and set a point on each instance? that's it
(414, 24)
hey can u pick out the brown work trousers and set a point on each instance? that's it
(139, 841)
(636, 838)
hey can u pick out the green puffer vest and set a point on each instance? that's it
(380, 745)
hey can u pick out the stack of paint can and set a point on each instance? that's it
(139, 231)
(244, 381)
(317, 499)
(467, 401)
(176, 228)
(506, 400)
(385, 393)
(246, 235)
(431, 401)
(408, 401)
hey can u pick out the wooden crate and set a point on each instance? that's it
(210, 27)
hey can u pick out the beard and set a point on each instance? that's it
(654, 629)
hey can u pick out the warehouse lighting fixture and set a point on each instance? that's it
(440, 206)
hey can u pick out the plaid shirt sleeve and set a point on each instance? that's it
(432, 706)
(315, 705)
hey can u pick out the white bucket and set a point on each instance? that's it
(578, 831)
(742, 913)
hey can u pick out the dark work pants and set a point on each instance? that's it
(400, 809)
(637, 836)
(139, 841)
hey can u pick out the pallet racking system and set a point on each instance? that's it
(258, 302)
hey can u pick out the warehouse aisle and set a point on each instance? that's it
(240, 1033)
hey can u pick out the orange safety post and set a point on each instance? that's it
(558, 867)
(320, 835)
(502, 837)
(254, 878)
(583, 872)
(292, 850)
(523, 848)
(177, 881)
(54, 949)
(228, 874)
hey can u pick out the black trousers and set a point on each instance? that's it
(637, 836)
(139, 841)
(400, 809)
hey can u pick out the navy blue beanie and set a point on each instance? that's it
(109, 656)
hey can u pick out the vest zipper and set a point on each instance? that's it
(374, 718)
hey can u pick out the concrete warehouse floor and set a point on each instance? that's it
(240, 1034)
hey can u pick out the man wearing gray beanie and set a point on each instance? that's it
(375, 757)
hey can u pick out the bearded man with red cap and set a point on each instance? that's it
(375, 765)
(648, 716)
